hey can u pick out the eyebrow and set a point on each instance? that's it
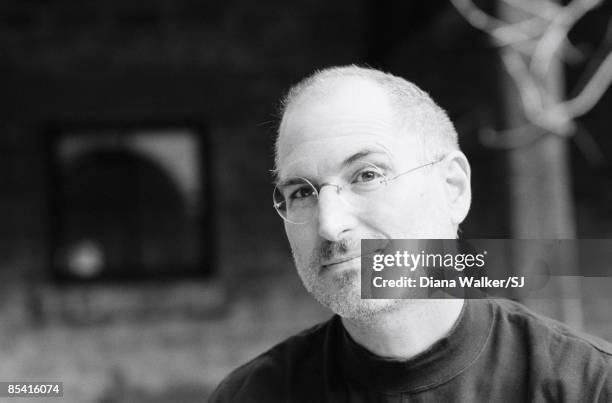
(289, 182)
(361, 154)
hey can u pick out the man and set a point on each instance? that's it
(364, 154)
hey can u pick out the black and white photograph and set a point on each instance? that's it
(308, 201)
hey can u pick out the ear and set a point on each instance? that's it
(457, 185)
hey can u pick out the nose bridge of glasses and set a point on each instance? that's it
(341, 190)
(334, 185)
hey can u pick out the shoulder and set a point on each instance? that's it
(512, 316)
(562, 361)
(268, 372)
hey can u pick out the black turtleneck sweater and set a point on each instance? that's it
(497, 351)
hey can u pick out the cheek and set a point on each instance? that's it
(302, 239)
(407, 215)
(392, 220)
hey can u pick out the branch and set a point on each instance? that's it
(532, 98)
(520, 35)
(590, 149)
(556, 34)
(543, 9)
(526, 30)
(498, 29)
(476, 16)
(540, 39)
(591, 93)
(517, 137)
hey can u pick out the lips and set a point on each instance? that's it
(337, 261)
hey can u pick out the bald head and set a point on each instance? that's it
(413, 112)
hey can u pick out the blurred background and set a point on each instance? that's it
(141, 259)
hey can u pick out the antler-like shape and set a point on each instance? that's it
(592, 91)
(498, 29)
(531, 46)
(556, 33)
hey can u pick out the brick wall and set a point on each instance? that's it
(224, 65)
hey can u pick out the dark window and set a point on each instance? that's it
(129, 204)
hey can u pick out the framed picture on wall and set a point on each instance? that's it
(129, 203)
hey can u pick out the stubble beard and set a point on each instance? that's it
(340, 291)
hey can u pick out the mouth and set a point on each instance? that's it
(347, 259)
(340, 261)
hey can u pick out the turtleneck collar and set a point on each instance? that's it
(441, 362)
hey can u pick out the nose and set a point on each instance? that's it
(335, 216)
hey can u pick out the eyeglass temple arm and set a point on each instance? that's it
(416, 168)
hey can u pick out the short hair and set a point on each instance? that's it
(413, 107)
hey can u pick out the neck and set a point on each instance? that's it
(408, 331)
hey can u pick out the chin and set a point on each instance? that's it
(364, 310)
(340, 291)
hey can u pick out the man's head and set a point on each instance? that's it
(343, 130)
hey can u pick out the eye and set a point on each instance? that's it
(367, 175)
(301, 193)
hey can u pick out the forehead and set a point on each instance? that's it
(349, 116)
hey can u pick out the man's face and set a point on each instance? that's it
(329, 140)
